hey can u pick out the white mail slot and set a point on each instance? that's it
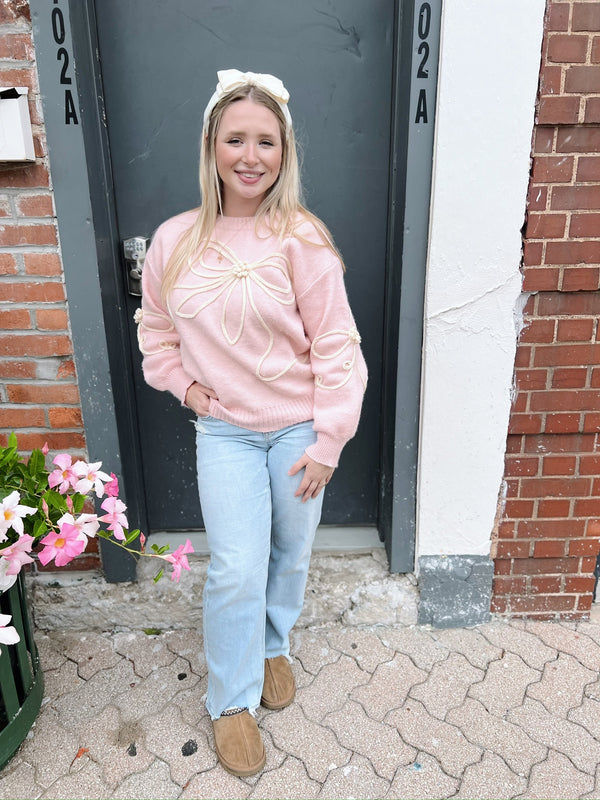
(16, 139)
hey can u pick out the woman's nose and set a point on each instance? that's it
(250, 154)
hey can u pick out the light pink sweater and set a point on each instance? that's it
(265, 323)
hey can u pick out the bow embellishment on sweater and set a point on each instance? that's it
(165, 326)
(333, 349)
(236, 283)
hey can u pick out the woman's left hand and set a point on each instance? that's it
(316, 477)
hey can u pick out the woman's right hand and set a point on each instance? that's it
(198, 397)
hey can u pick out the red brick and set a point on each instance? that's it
(592, 110)
(538, 331)
(584, 603)
(533, 253)
(544, 566)
(591, 423)
(17, 369)
(576, 330)
(504, 585)
(588, 169)
(52, 319)
(14, 235)
(546, 606)
(552, 169)
(578, 139)
(581, 279)
(555, 487)
(30, 292)
(507, 548)
(558, 17)
(558, 355)
(42, 393)
(8, 264)
(66, 369)
(65, 418)
(567, 49)
(38, 205)
(550, 528)
(565, 400)
(558, 110)
(583, 225)
(573, 252)
(580, 584)
(525, 423)
(25, 76)
(566, 443)
(35, 176)
(22, 418)
(514, 443)
(15, 319)
(546, 226)
(584, 80)
(569, 378)
(546, 585)
(584, 547)
(587, 507)
(521, 465)
(507, 529)
(550, 305)
(531, 379)
(519, 404)
(595, 56)
(57, 441)
(586, 17)
(540, 280)
(562, 423)
(523, 356)
(554, 509)
(514, 509)
(549, 549)
(543, 137)
(16, 47)
(46, 264)
(589, 465)
(42, 345)
(559, 465)
(512, 488)
(537, 199)
(502, 566)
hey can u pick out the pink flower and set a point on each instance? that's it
(45, 449)
(179, 559)
(90, 476)
(8, 635)
(112, 488)
(115, 517)
(11, 514)
(62, 546)
(17, 554)
(86, 524)
(64, 477)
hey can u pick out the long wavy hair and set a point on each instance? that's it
(281, 210)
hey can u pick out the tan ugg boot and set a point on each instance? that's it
(279, 688)
(238, 744)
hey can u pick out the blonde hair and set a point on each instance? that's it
(281, 210)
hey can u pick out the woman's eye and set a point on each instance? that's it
(267, 142)
(234, 140)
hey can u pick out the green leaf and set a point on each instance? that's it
(159, 575)
(133, 535)
(12, 440)
(152, 631)
(36, 463)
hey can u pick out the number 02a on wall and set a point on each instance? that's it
(425, 60)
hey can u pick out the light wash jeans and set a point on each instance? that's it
(260, 538)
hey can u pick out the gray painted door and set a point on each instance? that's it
(159, 61)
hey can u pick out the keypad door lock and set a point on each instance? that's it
(134, 253)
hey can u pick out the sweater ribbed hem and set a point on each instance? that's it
(264, 420)
(326, 450)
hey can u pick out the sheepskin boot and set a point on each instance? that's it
(279, 688)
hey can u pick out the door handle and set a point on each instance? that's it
(134, 253)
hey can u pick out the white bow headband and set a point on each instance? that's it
(230, 79)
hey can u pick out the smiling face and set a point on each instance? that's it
(248, 151)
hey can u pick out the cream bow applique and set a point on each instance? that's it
(236, 282)
(230, 79)
(350, 340)
(142, 320)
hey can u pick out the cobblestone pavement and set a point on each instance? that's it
(501, 710)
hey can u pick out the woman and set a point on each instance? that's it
(245, 319)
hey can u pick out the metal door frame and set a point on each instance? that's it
(83, 190)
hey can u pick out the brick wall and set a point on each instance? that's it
(549, 533)
(39, 396)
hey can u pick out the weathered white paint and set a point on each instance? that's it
(489, 67)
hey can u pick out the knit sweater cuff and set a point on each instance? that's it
(326, 450)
